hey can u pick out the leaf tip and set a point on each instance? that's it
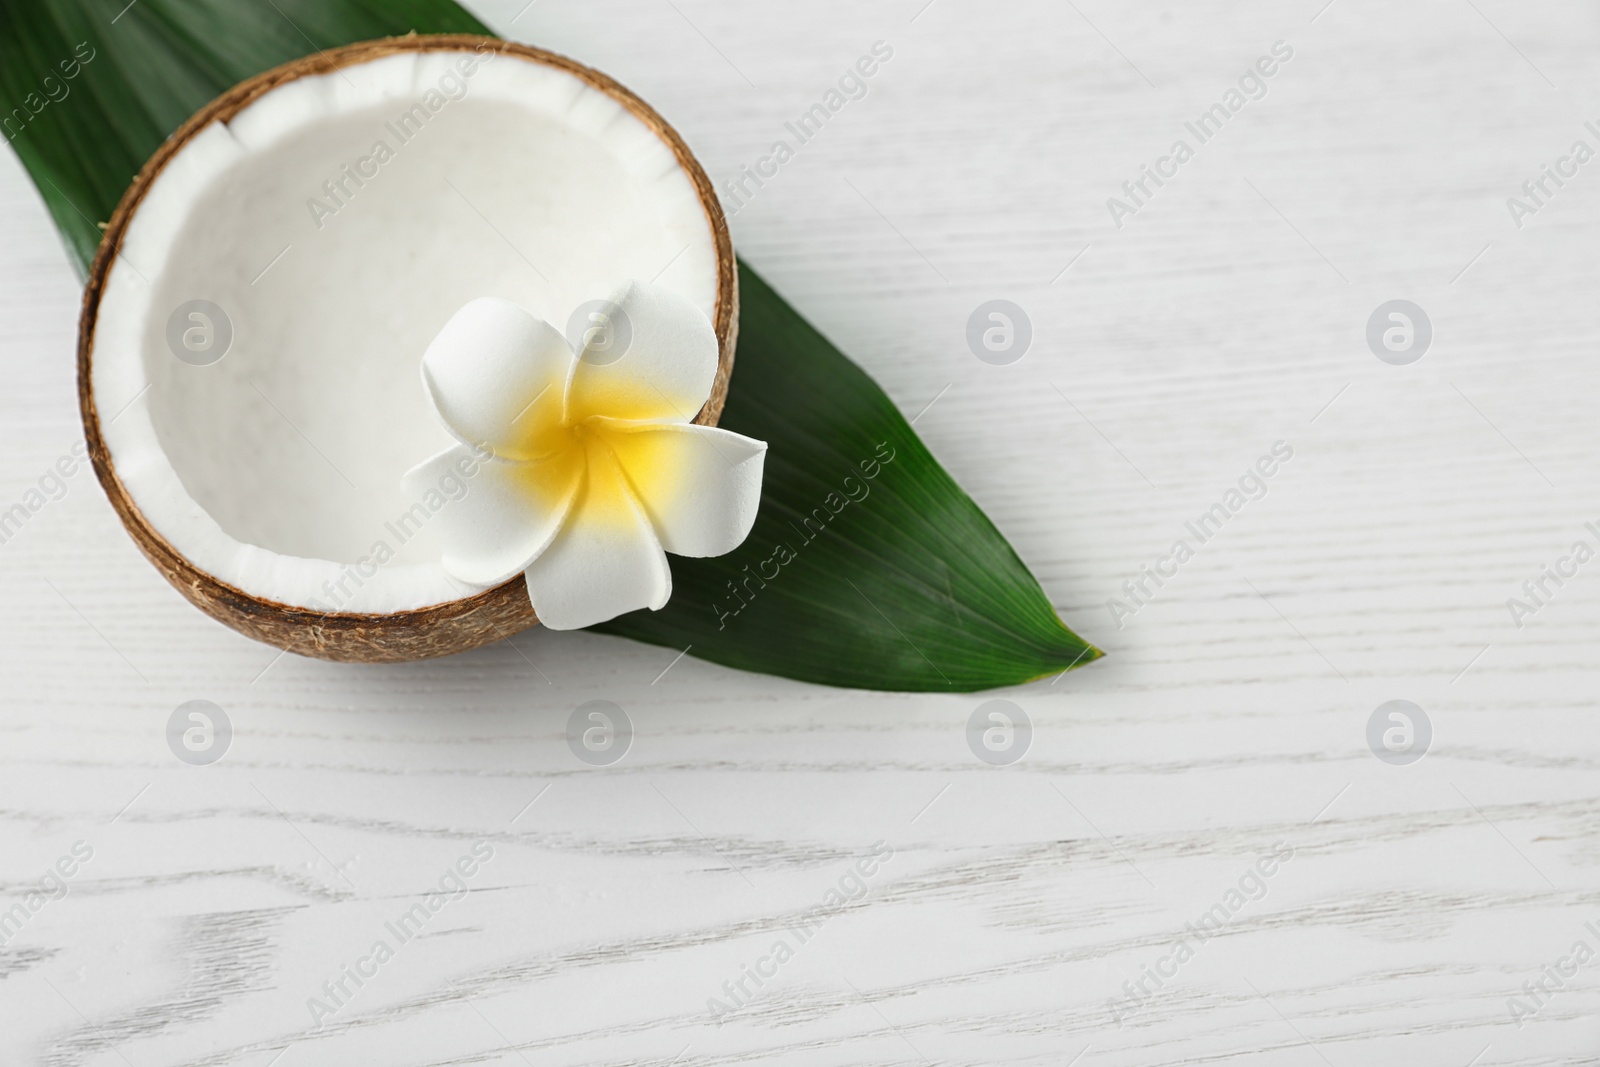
(1086, 655)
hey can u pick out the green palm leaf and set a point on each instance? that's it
(868, 565)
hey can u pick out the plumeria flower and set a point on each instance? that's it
(595, 470)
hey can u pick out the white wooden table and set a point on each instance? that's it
(1021, 902)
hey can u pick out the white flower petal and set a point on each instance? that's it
(508, 515)
(662, 367)
(496, 375)
(701, 486)
(606, 559)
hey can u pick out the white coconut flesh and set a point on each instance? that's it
(277, 469)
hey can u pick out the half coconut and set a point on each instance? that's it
(256, 315)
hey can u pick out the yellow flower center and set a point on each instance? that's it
(603, 459)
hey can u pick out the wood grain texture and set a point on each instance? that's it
(1228, 720)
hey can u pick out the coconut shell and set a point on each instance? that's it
(443, 629)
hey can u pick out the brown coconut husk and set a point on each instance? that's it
(443, 629)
